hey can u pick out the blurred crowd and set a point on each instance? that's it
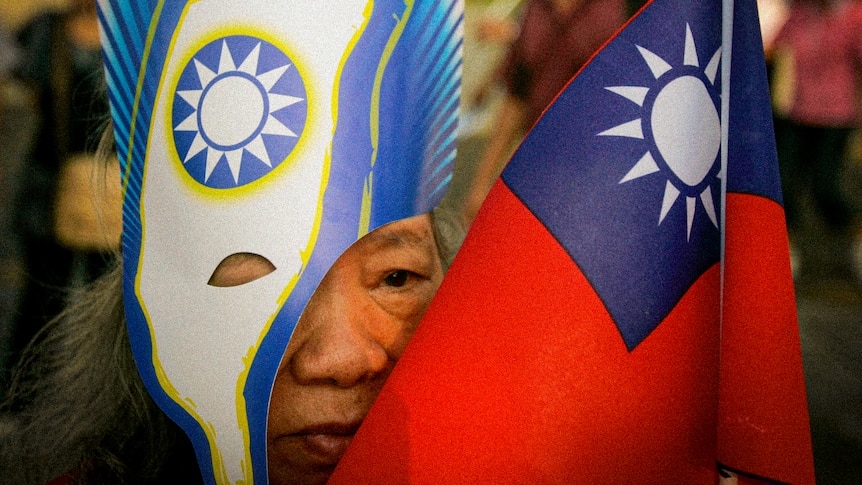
(59, 210)
(814, 48)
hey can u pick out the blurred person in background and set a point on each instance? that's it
(14, 117)
(552, 41)
(773, 15)
(8, 55)
(816, 58)
(54, 213)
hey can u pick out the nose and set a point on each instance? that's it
(340, 340)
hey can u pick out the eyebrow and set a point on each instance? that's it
(398, 237)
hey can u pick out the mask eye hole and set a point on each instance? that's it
(239, 269)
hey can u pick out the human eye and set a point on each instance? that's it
(404, 293)
(399, 278)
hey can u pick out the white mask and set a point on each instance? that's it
(267, 136)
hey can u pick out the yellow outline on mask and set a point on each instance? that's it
(306, 254)
(151, 33)
(365, 211)
(219, 470)
(218, 465)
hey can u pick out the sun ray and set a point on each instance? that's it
(712, 68)
(188, 124)
(249, 65)
(275, 127)
(645, 166)
(671, 193)
(688, 165)
(268, 79)
(225, 63)
(656, 64)
(213, 157)
(279, 101)
(234, 161)
(635, 94)
(690, 206)
(257, 148)
(205, 75)
(690, 49)
(631, 129)
(192, 97)
(706, 199)
(198, 145)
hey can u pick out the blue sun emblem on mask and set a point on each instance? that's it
(238, 111)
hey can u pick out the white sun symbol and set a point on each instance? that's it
(232, 111)
(685, 129)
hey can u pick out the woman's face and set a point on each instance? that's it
(347, 341)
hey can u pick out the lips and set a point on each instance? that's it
(326, 443)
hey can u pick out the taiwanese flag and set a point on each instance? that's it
(622, 310)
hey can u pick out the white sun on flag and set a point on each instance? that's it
(233, 110)
(682, 128)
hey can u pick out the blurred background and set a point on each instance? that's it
(59, 223)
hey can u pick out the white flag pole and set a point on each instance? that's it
(726, 51)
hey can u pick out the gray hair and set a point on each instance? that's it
(76, 402)
(77, 398)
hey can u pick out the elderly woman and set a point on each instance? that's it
(78, 406)
(281, 165)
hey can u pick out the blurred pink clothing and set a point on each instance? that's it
(552, 47)
(826, 44)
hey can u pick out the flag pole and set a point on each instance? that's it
(726, 52)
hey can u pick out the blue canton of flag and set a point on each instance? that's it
(608, 223)
(641, 172)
